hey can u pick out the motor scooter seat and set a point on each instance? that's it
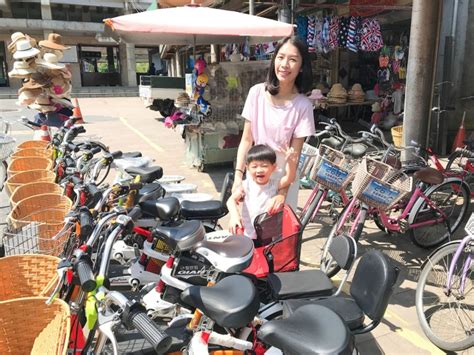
(310, 330)
(148, 174)
(182, 237)
(165, 209)
(151, 191)
(429, 175)
(233, 302)
(202, 210)
(131, 155)
(234, 254)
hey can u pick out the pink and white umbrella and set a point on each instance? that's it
(191, 25)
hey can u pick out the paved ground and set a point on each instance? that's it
(123, 123)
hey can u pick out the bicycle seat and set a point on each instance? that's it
(182, 237)
(356, 150)
(311, 329)
(150, 191)
(202, 210)
(234, 254)
(429, 175)
(165, 208)
(232, 302)
(131, 155)
(148, 174)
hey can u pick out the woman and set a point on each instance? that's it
(277, 113)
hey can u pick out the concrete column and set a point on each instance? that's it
(46, 13)
(421, 66)
(127, 64)
(177, 60)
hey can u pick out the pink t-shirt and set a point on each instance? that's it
(273, 125)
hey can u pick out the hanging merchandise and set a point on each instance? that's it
(311, 33)
(353, 36)
(333, 41)
(343, 31)
(370, 35)
(384, 58)
(302, 27)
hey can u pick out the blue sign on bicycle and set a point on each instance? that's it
(380, 193)
(331, 174)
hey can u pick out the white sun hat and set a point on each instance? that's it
(25, 50)
(50, 61)
(20, 70)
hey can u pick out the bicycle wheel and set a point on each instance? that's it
(450, 197)
(328, 265)
(457, 163)
(446, 319)
(3, 174)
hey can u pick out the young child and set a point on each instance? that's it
(257, 189)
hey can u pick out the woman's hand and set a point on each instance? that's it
(276, 203)
(235, 225)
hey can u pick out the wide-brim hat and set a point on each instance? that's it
(20, 69)
(62, 101)
(316, 94)
(337, 91)
(43, 104)
(28, 97)
(25, 50)
(183, 100)
(15, 38)
(66, 74)
(31, 84)
(50, 61)
(54, 41)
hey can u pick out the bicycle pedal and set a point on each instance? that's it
(403, 223)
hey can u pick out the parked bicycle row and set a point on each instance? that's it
(130, 233)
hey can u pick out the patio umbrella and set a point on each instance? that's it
(195, 25)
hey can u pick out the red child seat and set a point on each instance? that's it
(278, 243)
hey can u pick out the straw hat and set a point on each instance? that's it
(20, 70)
(27, 97)
(316, 94)
(66, 74)
(337, 94)
(24, 50)
(42, 104)
(356, 94)
(183, 100)
(376, 107)
(30, 85)
(50, 61)
(15, 38)
(54, 41)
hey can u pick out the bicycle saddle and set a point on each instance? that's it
(311, 329)
(148, 174)
(234, 254)
(232, 302)
(164, 208)
(429, 175)
(182, 237)
(202, 209)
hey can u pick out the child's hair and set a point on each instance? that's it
(261, 152)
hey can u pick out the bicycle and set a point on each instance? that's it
(445, 294)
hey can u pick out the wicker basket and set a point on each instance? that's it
(29, 163)
(29, 326)
(33, 144)
(40, 208)
(33, 189)
(397, 134)
(33, 152)
(26, 177)
(333, 169)
(27, 276)
(379, 185)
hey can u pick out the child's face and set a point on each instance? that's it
(260, 171)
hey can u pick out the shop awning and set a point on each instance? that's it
(189, 25)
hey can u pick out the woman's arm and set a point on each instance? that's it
(276, 203)
(244, 146)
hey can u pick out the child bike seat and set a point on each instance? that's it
(164, 208)
(148, 174)
(182, 237)
(232, 302)
(234, 254)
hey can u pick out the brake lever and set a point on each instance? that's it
(107, 324)
(62, 278)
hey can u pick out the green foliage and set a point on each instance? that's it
(141, 67)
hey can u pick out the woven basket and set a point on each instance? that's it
(26, 177)
(33, 152)
(379, 185)
(33, 144)
(29, 326)
(33, 189)
(27, 276)
(31, 209)
(397, 134)
(28, 163)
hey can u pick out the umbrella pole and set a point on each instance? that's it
(194, 48)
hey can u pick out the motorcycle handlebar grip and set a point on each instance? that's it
(34, 124)
(76, 180)
(96, 150)
(116, 154)
(160, 341)
(86, 222)
(86, 277)
(80, 129)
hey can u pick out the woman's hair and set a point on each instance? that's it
(261, 152)
(304, 80)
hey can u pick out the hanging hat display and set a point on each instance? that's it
(54, 41)
(15, 38)
(50, 61)
(20, 70)
(59, 87)
(27, 96)
(30, 85)
(25, 50)
(43, 104)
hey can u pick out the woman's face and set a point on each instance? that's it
(288, 63)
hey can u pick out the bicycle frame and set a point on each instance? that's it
(467, 265)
